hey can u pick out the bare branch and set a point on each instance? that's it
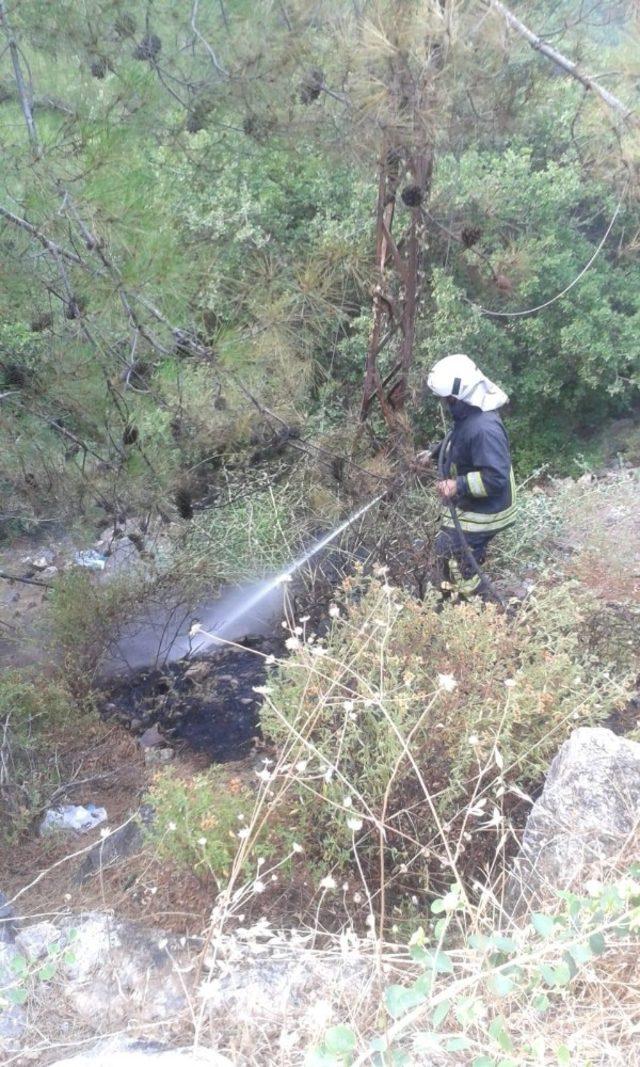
(213, 57)
(25, 101)
(567, 65)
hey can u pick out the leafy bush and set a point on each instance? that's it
(417, 716)
(199, 821)
(31, 714)
(507, 1000)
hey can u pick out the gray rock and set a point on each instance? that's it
(13, 1023)
(127, 841)
(156, 756)
(7, 925)
(151, 737)
(34, 941)
(123, 973)
(589, 806)
(8, 953)
(121, 1053)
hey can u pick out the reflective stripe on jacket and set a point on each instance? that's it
(480, 459)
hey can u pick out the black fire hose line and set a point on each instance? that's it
(444, 470)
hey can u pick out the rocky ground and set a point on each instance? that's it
(119, 936)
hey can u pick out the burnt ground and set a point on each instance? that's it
(208, 704)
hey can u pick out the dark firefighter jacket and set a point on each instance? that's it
(479, 459)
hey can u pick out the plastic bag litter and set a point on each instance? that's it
(73, 818)
(91, 559)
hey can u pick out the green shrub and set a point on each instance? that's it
(411, 714)
(199, 821)
(476, 995)
(31, 715)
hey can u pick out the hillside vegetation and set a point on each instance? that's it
(235, 238)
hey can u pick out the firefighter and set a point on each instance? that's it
(477, 476)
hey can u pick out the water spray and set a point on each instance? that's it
(270, 585)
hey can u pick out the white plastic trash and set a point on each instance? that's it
(72, 818)
(91, 559)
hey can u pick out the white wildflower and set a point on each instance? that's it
(334, 611)
(202, 841)
(298, 630)
(354, 824)
(447, 682)
(196, 628)
(262, 690)
(473, 740)
(302, 765)
(318, 650)
(380, 571)
(258, 886)
(270, 659)
(171, 826)
(510, 683)
(244, 833)
(296, 847)
(328, 882)
(292, 643)
(305, 618)
(328, 774)
(105, 832)
(348, 705)
(357, 898)
(264, 775)
(347, 802)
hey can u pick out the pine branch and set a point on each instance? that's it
(25, 102)
(567, 65)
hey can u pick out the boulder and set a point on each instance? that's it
(123, 973)
(7, 924)
(121, 1053)
(13, 1023)
(588, 810)
(35, 941)
(127, 840)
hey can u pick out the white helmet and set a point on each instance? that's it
(458, 376)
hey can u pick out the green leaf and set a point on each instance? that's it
(563, 1055)
(483, 1061)
(503, 944)
(597, 944)
(69, 957)
(437, 906)
(499, 1033)
(541, 1002)
(563, 974)
(548, 974)
(17, 995)
(400, 999)
(340, 1040)
(468, 1010)
(543, 924)
(47, 972)
(480, 941)
(441, 963)
(19, 965)
(440, 1013)
(502, 984)
(460, 1043)
(580, 953)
